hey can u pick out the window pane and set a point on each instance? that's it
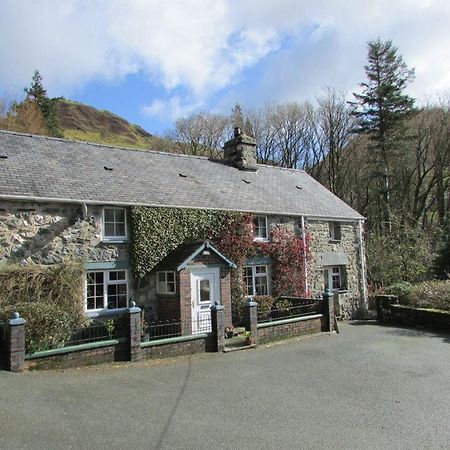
(170, 277)
(112, 276)
(161, 277)
(204, 291)
(325, 279)
(261, 269)
(161, 287)
(122, 289)
(120, 229)
(109, 229)
(171, 288)
(99, 290)
(99, 277)
(109, 215)
(122, 301)
(120, 215)
(261, 285)
(89, 278)
(90, 303)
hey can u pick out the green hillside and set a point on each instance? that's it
(85, 123)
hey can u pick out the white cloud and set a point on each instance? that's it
(205, 46)
(173, 108)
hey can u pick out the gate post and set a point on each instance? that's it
(328, 310)
(251, 319)
(15, 343)
(218, 327)
(134, 332)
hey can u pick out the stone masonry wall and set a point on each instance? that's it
(47, 233)
(349, 244)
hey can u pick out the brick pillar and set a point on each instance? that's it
(15, 343)
(217, 327)
(328, 310)
(251, 319)
(134, 332)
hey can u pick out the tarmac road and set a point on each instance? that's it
(369, 387)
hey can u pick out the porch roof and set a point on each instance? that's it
(185, 253)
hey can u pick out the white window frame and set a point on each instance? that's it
(258, 275)
(106, 282)
(332, 231)
(265, 227)
(331, 273)
(114, 238)
(165, 291)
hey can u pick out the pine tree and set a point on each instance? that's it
(36, 92)
(381, 110)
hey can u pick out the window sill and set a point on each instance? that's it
(335, 241)
(261, 240)
(116, 240)
(94, 313)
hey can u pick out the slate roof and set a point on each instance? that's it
(185, 253)
(41, 168)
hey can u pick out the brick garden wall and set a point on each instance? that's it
(80, 358)
(174, 349)
(284, 330)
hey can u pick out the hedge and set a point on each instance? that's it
(49, 298)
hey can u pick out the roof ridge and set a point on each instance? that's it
(95, 144)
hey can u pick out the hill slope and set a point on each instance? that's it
(85, 123)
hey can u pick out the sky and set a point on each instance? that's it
(154, 61)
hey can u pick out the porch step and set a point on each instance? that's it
(236, 348)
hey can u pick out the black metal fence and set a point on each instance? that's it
(175, 327)
(98, 330)
(289, 307)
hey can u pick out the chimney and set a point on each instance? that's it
(241, 151)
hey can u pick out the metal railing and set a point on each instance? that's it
(175, 327)
(98, 330)
(288, 308)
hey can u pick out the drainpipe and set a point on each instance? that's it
(304, 256)
(362, 255)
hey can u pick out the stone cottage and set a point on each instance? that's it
(65, 199)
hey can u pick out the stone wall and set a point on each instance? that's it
(47, 233)
(349, 245)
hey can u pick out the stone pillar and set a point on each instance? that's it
(328, 310)
(15, 343)
(217, 327)
(251, 319)
(134, 332)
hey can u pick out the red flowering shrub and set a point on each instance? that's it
(289, 255)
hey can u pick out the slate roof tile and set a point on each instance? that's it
(41, 167)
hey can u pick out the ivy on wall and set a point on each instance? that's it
(158, 231)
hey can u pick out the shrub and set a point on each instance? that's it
(49, 298)
(429, 294)
(47, 326)
(265, 304)
(401, 289)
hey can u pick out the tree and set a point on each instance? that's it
(37, 93)
(381, 111)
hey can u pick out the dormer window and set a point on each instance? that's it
(114, 224)
(261, 232)
(335, 231)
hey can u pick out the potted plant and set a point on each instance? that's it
(229, 332)
(248, 338)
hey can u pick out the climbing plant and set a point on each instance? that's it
(158, 231)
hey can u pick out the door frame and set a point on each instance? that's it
(196, 274)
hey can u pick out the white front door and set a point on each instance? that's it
(205, 284)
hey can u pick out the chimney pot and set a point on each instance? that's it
(237, 131)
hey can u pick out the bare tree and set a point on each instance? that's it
(201, 134)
